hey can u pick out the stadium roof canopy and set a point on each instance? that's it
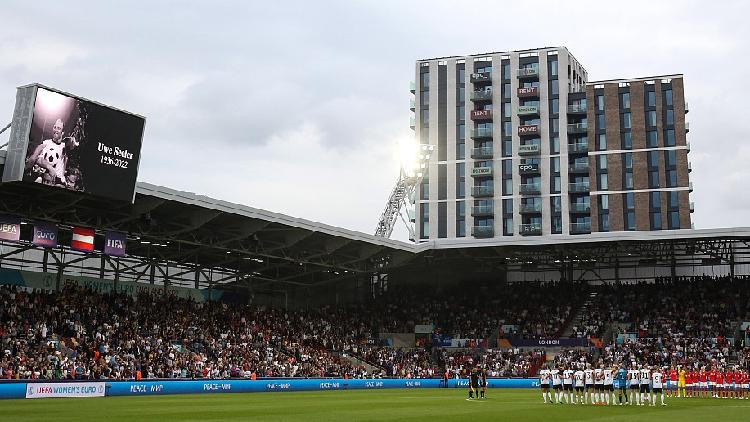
(194, 234)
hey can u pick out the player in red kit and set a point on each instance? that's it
(703, 379)
(712, 375)
(690, 383)
(719, 383)
(729, 382)
(672, 383)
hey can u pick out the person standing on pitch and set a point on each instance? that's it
(657, 380)
(622, 383)
(544, 379)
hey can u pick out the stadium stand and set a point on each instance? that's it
(81, 334)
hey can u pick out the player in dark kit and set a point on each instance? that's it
(473, 384)
(483, 383)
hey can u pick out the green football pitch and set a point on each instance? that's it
(361, 405)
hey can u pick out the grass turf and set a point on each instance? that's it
(360, 405)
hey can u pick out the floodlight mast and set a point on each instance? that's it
(401, 199)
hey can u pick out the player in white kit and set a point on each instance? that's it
(578, 376)
(645, 382)
(589, 377)
(633, 375)
(598, 386)
(609, 389)
(568, 386)
(544, 379)
(657, 386)
(556, 384)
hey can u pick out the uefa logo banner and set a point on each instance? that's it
(114, 244)
(45, 235)
(10, 228)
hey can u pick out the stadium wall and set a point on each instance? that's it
(41, 389)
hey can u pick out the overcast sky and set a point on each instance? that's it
(297, 107)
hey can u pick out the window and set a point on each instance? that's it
(554, 145)
(629, 220)
(556, 224)
(554, 165)
(627, 161)
(426, 117)
(601, 143)
(461, 129)
(599, 103)
(650, 99)
(507, 147)
(508, 226)
(671, 178)
(461, 209)
(555, 185)
(669, 118)
(425, 229)
(553, 68)
(555, 106)
(461, 113)
(655, 218)
(556, 204)
(461, 75)
(460, 180)
(669, 140)
(554, 125)
(507, 129)
(507, 187)
(625, 100)
(653, 160)
(507, 110)
(554, 87)
(601, 162)
(461, 94)
(673, 200)
(461, 228)
(506, 71)
(461, 150)
(602, 181)
(651, 139)
(651, 118)
(604, 202)
(670, 158)
(424, 98)
(653, 179)
(627, 140)
(674, 220)
(668, 98)
(626, 123)
(604, 222)
(628, 182)
(601, 123)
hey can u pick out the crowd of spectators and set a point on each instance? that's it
(76, 333)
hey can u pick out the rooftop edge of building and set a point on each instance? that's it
(639, 79)
(528, 50)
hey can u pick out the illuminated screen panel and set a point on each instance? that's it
(82, 146)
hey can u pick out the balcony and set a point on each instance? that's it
(412, 104)
(530, 188)
(529, 72)
(692, 206)
(528, 130)
(532, 92)
(412, 87)
(578, 148)
(532, 229)
(412, 122)
(687, 109)
(482, 132)
(528, 110)
(481, 115)
(687, 144)
(481, 172)
(579, 167)
(484, 95)
(690, 186)
(580, 228)
(580, 187)
(528, 169)
(687, 127)
(580, 207)
(482, 232)
(530, 208)
(690, 167)
(578, 127)
(481, 153)
(577, 109)
(482, 191)
(482, 211)
(479, 78)
(532, 149)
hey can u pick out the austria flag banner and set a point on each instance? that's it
(83, 239)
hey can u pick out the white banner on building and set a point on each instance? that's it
(64, 389)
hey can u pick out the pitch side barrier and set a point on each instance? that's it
(97, 388)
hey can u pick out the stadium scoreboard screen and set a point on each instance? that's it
(67, 142)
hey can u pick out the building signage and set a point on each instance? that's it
(528, 168)
(481, 171)
(528, 110)
(481, 114)
(114, 244)
(480, 77)
(533, 148)
(45, 235)
(83, 239)
(528, 92)
(528, 130)
(10, 228)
